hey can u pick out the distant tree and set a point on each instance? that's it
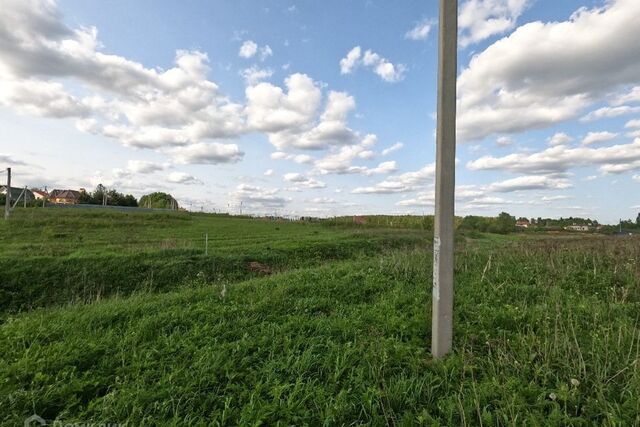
(638, 220)
(158, 200)
(114, 198)
(85, 198)
(504, 224)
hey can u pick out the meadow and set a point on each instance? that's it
(296, 323)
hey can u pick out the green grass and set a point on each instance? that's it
(59, 256)
(546, 333)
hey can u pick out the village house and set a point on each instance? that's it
(39, 194)
(523, 223)
(16, 192)
(64, 197)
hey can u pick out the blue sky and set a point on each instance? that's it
(324, 108)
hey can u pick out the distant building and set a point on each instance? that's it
(64, 197)
(16, 192)
(523, 223)
(575, 227)
(39, 194)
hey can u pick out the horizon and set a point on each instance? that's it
(302, 109)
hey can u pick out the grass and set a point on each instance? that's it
(58, 256)
(546, 333)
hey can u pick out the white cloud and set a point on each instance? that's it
(421, 30)
(481, 19)
(144, 167)
(632, 96)
(351, 61)
(631, 124)
(182, 178)
(546, 73)
(303, 181)
(269, 172)
(559, 139)
(532, 182)
(504, 141)
(207, 153)
(385, 69)
(561, 158)
(609, 112)
(248, 49)
(40, 98)
(258, 199)
(291, 118)
(395, 147)
(254, 75)
(409, 181)
(595, 137)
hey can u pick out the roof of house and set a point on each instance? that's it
(39, 192)
(15, 192)
(65, 194)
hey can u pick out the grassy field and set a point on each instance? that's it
(546, 330)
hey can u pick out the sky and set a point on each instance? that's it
(325, 108)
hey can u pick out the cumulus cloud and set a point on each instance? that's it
(41, 59)
(303, 181)
(631, 96)
(631, 124)
(290, 118)
(481, 19)
(561, 158)
(385, 69)
(559, 138)
(546, 73)
(40, 98)
(406, 182)
(250, 49)
(609, 112)
(144, 167)
(182, 178)
(595, 137)
(532, 182)
(207, 153)
(254, 75)
(257, 198)
(421, 30)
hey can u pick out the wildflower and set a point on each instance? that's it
(552, 396)
(575, 382)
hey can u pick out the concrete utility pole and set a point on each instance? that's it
(7, 203)
(442, 315)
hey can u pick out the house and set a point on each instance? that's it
(64, 197)
(577, 227)
(523, 223)
(16, 192)
(39, 194)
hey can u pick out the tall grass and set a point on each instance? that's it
(546, 333)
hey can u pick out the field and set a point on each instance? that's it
(122, 318)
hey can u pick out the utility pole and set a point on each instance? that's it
(7, 203)
(442, 314)
(25, 196)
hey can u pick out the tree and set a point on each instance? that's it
(114, 198)
(505, 223)
(158, 200)
(638, 220)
